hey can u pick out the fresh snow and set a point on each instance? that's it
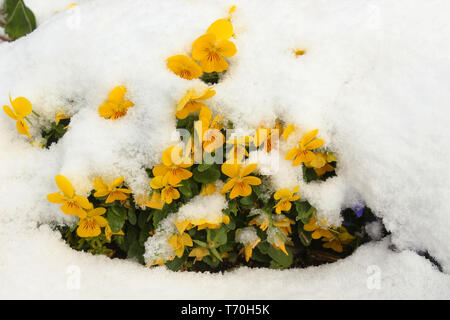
(373, 81)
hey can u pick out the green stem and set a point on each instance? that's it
(36, 114)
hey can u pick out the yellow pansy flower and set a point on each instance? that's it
(278, 241)
(248, 248)
(199, 253)
(211, 48)
(60, 116)
(283, 223)
(116, 106)
(208, 130)
(71, 203)
(168, 192)
(261, 220)
(208, 189)
(320, 163)
(156, 202)
(91, 222)
(340, 237)
(238, 150)
(179, 241)
(184, 67)
(240, 182)
(319, 230)
(264, 136)
(302, 152)
(21, 108)
(285, 197)
(109, 232)
(207, 224)
(299, 52)
(174, 166)
(112, 191)
(190, 102)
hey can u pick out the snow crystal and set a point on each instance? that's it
(246, 235)
(203, 207)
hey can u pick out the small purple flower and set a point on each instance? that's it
(359, 210)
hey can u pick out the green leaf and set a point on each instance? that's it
(21, 20)
(200, 243)
(305, 237)
(219, 236)
(204, 166)
(135, 250)
(309, 174)
(263, 246)
(208, 176)
(157, 217)
(132, 216)
(142, 219)
(116, 217)
(186, 190)
(216, 254)
(247, 202)
(176, 263)
(280, 257)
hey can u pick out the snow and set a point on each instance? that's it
(372, 81)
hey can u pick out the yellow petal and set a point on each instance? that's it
(101, 221)
(315, 144)
(254, 181)
(56, 198)
(287, 131)
(22, 107)
(309, 136)
(9, 112)
(116, 95)
(116, 183)
(88, 228)
(248, 169)
(96, 212)
(282, 193)
(231, 170)
(23, 128)
(181, 226)
(65, 186)
(226, 48)
(222, 29)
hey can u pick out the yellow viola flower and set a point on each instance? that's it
(116, 106)
(156, 202)
(319, 229)
(320, 163)
(283, 223)
(174, 166)
(340, 237)
(240, 182)
(21, 108)
(184, 67)
(179, 242)
(211, 48)
(238, 150)
(202, 224)
(299, 52)
(109, 233)
(278, 240)
(261, 220)
(231, 11)
(208, 189)
(60, 116)
(112, 191)
(168, 192)
(91, 222)
(302, 152)
(285, 197)
(72, 204)
(208, 130)
(248, 248)
(199, 253)
(190, 102)
(264, 136)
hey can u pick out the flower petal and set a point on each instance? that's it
(65, 186)
(9, 112)
(22, 107)
(222, 29)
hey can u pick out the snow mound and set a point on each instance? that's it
(372, 80)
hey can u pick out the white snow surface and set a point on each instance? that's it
(373, 81)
